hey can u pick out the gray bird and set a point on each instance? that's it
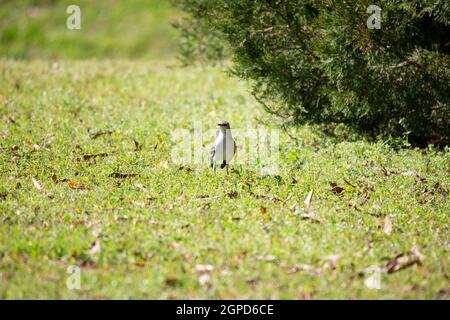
(222, 151)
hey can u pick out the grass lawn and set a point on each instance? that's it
(75, 189)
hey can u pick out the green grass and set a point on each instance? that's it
(152, 239)
(33, 29)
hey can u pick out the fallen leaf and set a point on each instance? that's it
(172, 281)
(99, 134)
(141, 187)
(409, 173)
(308, 199)
(232, 194)
(262, 210)
(87, 157)
(404, 260)
(271, 198)
(335, 188)
(77, 185)
(225, 273)
(164, 164)
(140, 263)
(288, 198)
(252, 281)
(82, 222)
(122, 175)
(185, 168)
(331, 261)
(204, 279)
(138, 203)
(175, 245)
(309, 215)
(349, 183)
(440, 188)
(415, 252)
(14, 148)
(428, 192)
(137, 146)
(304, 295)
(387, 229)
(36, 147)
(37, 184)
(268, 258)
(95, 247)
(202, 268)
(299, 267)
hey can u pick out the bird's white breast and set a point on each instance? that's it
(224, 147)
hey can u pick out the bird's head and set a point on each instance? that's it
(223, 125)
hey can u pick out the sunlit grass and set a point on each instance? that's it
(254, 232)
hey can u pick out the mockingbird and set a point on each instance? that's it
(223, 149)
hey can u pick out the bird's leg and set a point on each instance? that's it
(214, 167)
(227, 167)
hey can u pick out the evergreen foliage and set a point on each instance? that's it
(317, 62)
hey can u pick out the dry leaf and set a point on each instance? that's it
(309, 215)
(262, 210)
(415, 252)
(232, 194)
(185, 168)
(36, 147)
(335, 188)
(172, 281)
(304, 295)
(252, 281)
(175, 245)
(202, 268)
(204, 279)
(137, 146)
(140, 263)
(271, 198)
(37, 184)
(122, 175)
(440, 188)
(82, 222)
(288, 198)
(308, 198)
(141, 187)
(57, 180)
(99, 133)
(331, 261)
(77, 185)
(138, 203)
(95, 247)
(299, 267)
(387, 229)
(268, 258)
(349, 183)
(165, 165)
(87, 157)
(403, 260)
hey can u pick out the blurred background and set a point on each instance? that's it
(36, 29)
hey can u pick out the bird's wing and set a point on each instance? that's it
(212, 152)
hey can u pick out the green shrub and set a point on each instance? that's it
(318, 62)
